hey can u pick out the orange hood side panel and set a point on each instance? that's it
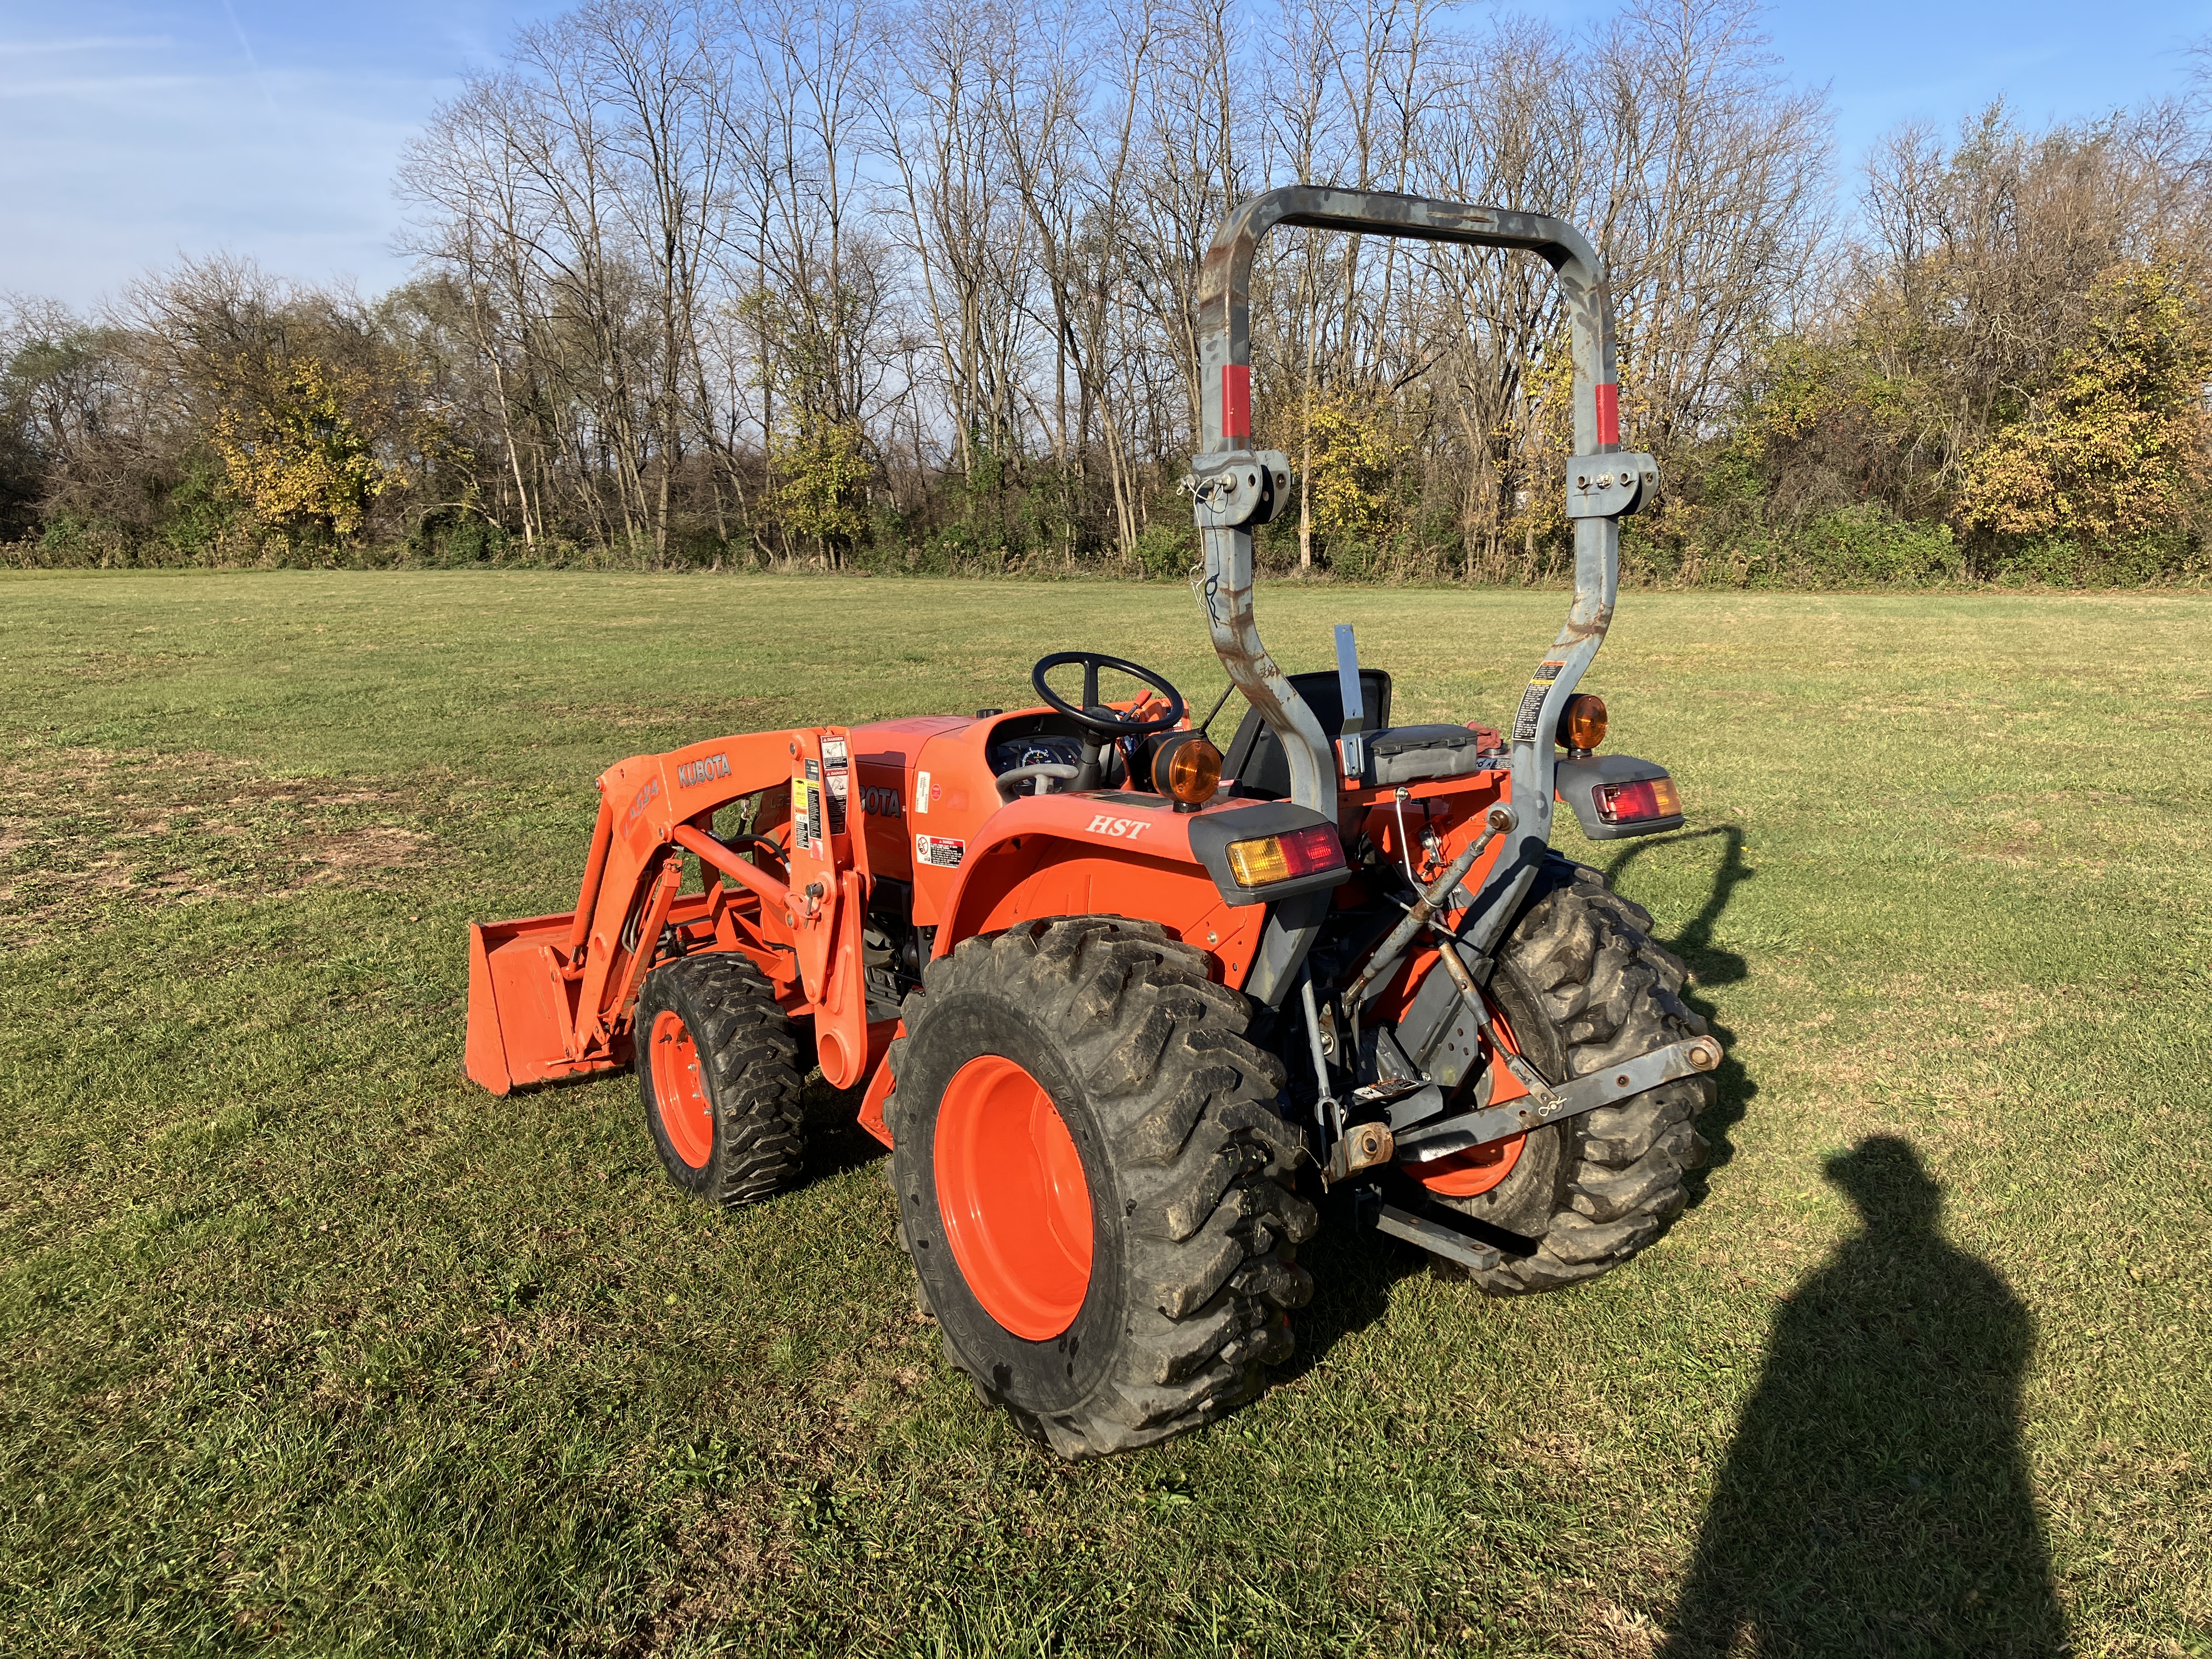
(886, 757)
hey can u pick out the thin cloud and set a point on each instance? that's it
(88, 43)
(97, 86)
(251, 63)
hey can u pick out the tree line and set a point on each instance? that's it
(910, 286)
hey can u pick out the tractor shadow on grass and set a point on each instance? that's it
(1710, 967)
(1354, 1270)
(836, 1142)
(1876, 1498)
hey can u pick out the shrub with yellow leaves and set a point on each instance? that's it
(824, 473)
(1354, 455)
(2121, 443)
(295, 448)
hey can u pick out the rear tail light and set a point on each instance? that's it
(1632, 803)
(1271, 858)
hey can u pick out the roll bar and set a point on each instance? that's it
(1236, 487)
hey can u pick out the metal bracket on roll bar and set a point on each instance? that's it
(1558, 1102)
(1238, 487)
(1610, 486)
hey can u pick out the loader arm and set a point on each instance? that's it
(550, 997)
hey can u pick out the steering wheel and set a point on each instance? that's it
(1094, 715)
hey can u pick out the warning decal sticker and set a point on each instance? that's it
(941, 851)
(1532, 702)
(836, 775)
(803, 797)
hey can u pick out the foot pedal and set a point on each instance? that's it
(1436, 1241)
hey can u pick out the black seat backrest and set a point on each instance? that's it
(1255, 757)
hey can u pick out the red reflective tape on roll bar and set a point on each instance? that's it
(1236, 400)
(1608, 412)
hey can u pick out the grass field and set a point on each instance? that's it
(307, 1346)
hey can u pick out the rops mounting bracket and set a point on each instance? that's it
(1238, 487)
(1610, 486)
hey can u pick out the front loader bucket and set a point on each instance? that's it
(520, 1009)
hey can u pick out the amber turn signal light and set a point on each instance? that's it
(1271, 858)
(1189, 772)
(1581, 723)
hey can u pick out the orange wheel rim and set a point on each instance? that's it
(679, 1093)
(1477, 1169)
(1012, 1192)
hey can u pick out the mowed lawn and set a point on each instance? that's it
(306, 1345)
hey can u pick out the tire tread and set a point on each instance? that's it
(744, 1037)
(1187, 1101)
(1611, 992)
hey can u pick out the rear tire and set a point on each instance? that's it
(1584, 986)
(715, 1067)
(1184, 1163)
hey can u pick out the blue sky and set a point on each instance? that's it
(130, 133)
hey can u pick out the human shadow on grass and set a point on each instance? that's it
(1355, 1269)
(1710, 966)
(1875, 1499)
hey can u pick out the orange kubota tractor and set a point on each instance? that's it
(1124, 1006)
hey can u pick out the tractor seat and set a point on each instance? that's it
(1407, 754)
(1255, 757)
(1394, 755)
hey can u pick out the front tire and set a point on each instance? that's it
(1093, 1181)
(716, 1068)
(1583, 986)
